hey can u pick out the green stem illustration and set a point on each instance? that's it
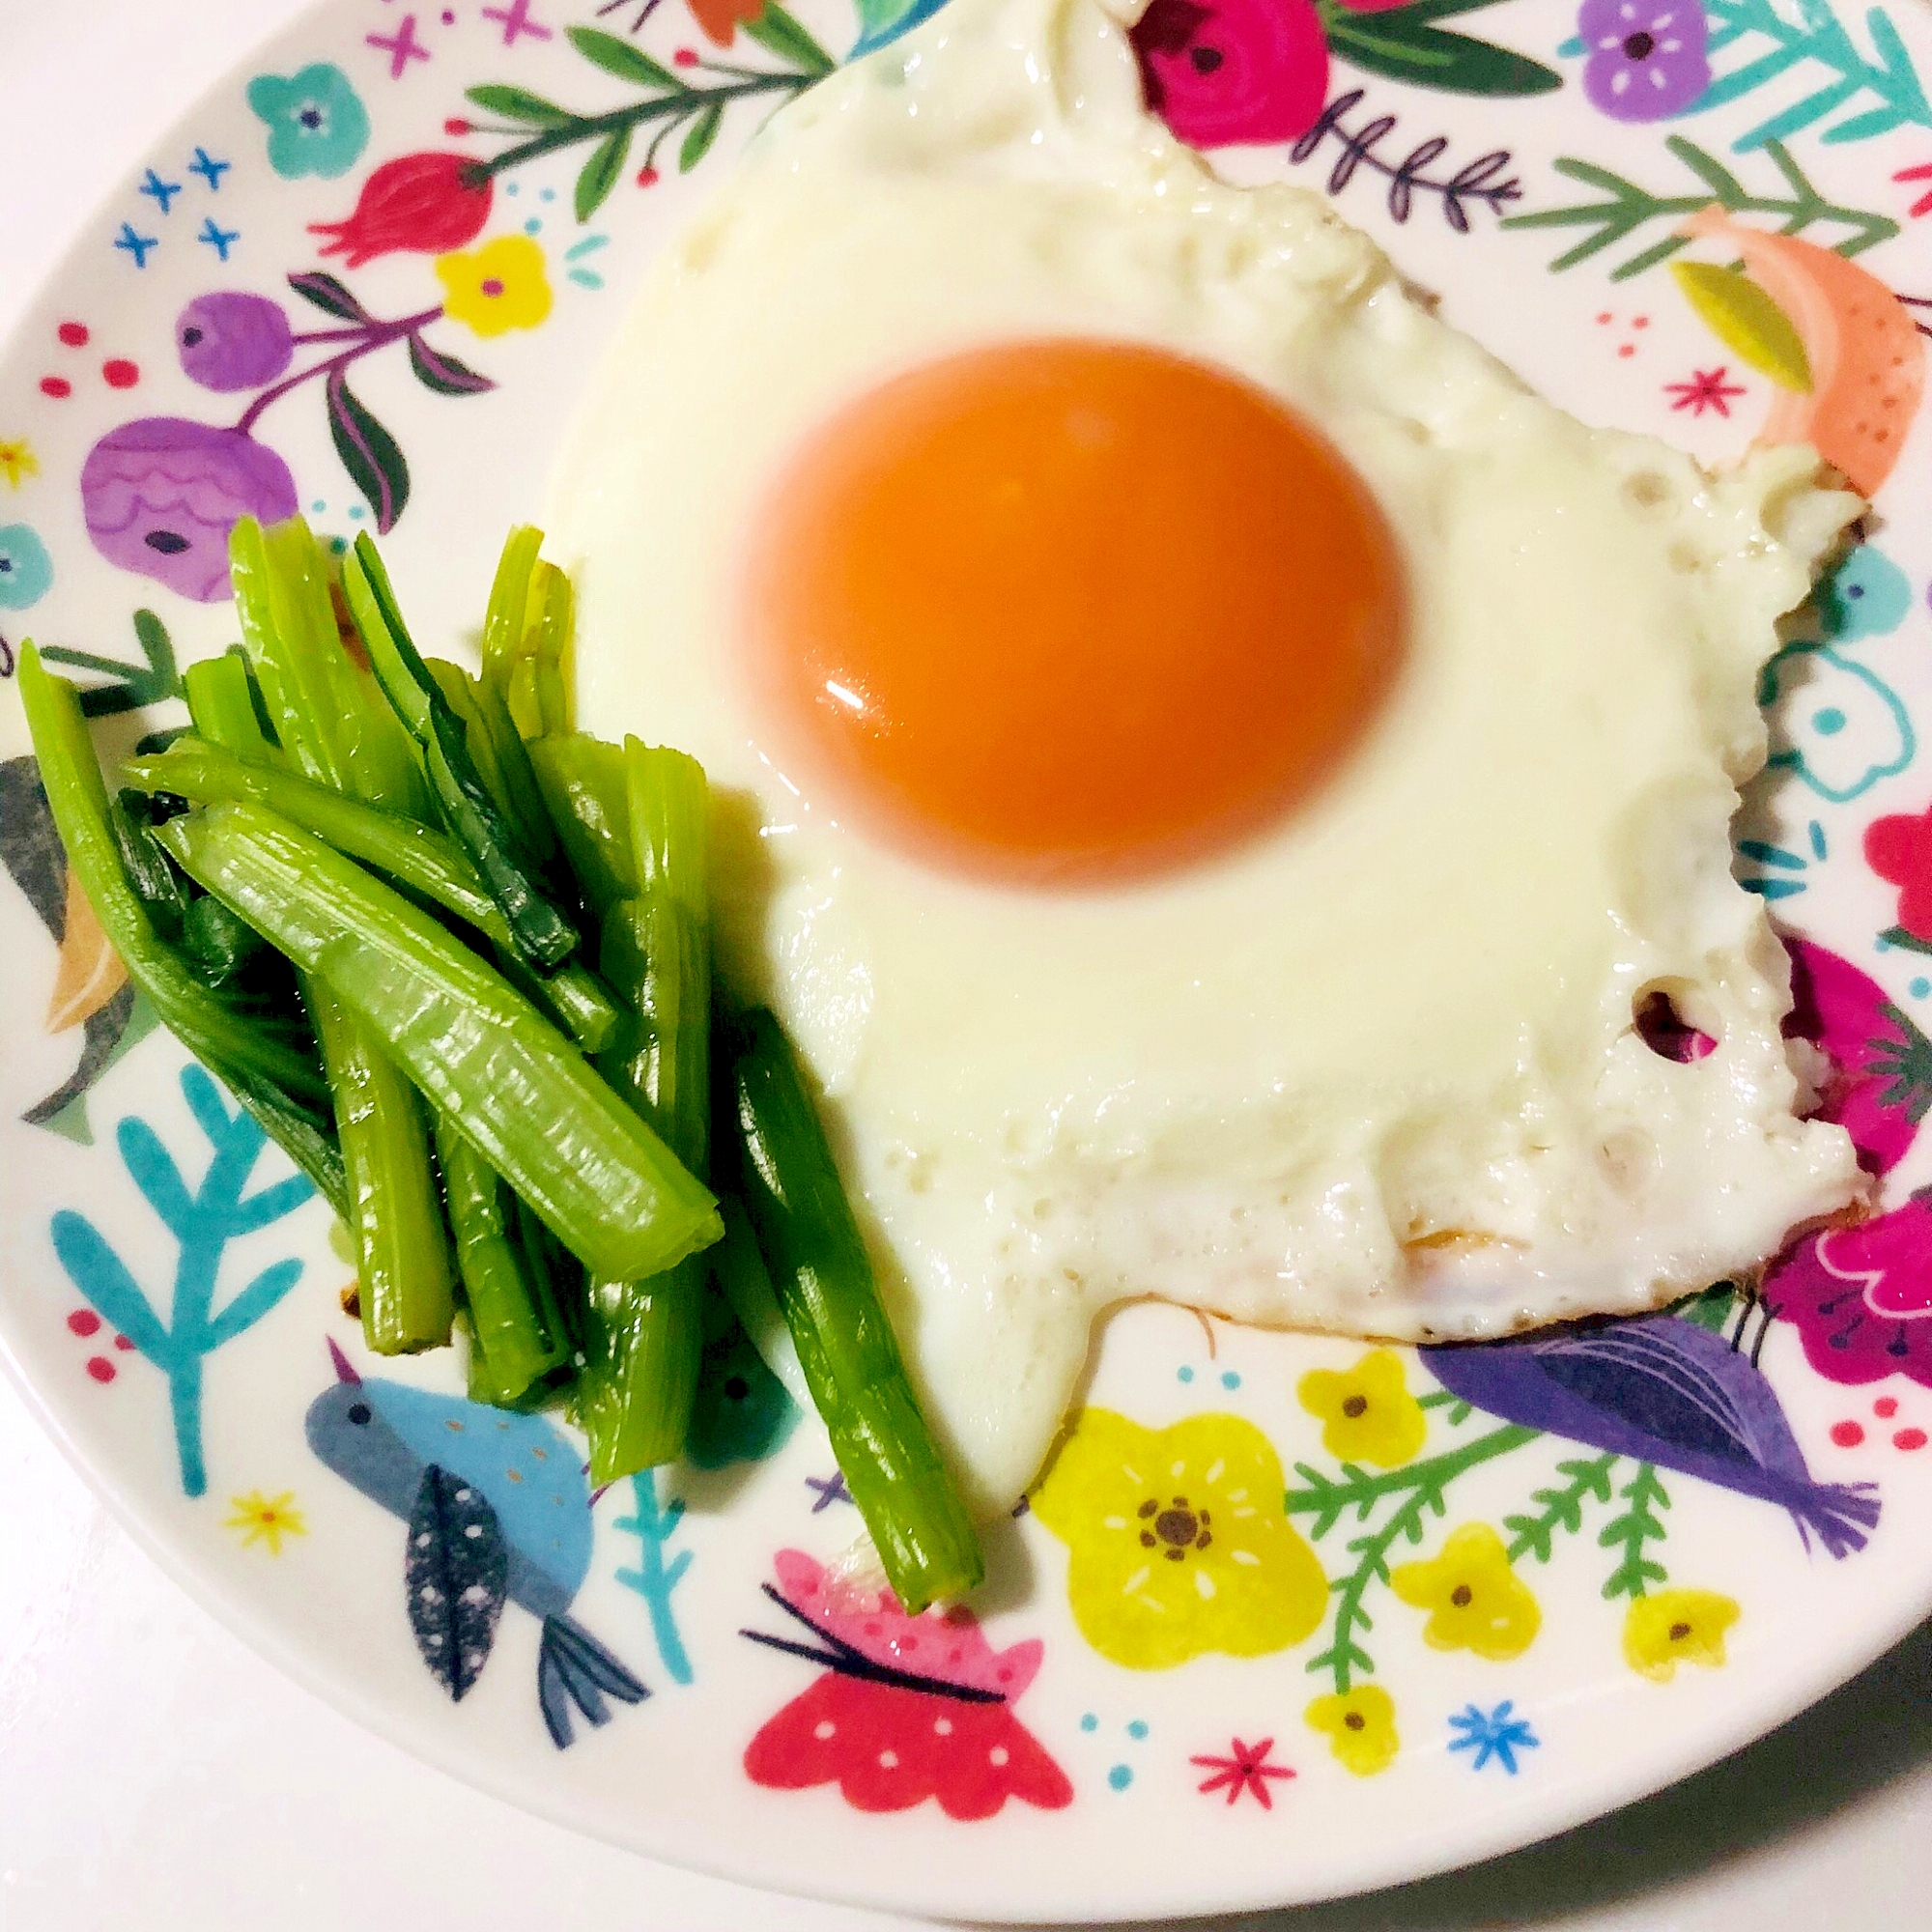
(670, 100)
(1627, 208)
(1640, 1523)
(1422, 1486)
(1562, 1508)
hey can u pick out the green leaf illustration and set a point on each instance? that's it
(134, 685)
(777, 32)
(601, 172)
(619, 57)
(1404, 48)
(519, 103)
(698, 142)
(369, 453)
(320, 287)
(443, 373)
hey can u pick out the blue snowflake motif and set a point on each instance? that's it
(1496, 1735)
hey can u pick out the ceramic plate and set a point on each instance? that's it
(1509, 1588)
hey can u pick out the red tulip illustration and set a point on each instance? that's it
(425, 203)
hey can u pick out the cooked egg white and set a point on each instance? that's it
(1372, 1067)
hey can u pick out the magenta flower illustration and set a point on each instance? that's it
(1647, 58)
(1880, 1085)
(161, 495)
(1860, 1297)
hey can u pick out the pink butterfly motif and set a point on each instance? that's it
(908, 1708)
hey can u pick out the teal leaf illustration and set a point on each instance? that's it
(203, 1220)
(1777, 42)
(883, 21)
(369, 453)
(601, 172)
(654, 1523)
(620, 58)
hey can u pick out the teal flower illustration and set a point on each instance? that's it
(1837, 725)
(26, 570)
(743, 1413)
(1867, 596)
(316, 121)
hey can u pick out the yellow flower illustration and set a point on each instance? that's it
(266, 1519)
(1475, 1600)
(1367, 1413)
(1677, 1627)
(1360, 1725)
(497, 287)
(1178, 1540)
(18, 459)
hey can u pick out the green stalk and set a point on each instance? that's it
(586, 795)
(544, 937)
(823, 1278)
(338, 731)
(408, 1295)
(221, 699)
(517, 1089)
(646, 1337)
(425, 862)
(510, 1341)
(554, 654)
(509, 602)
(279, 1083)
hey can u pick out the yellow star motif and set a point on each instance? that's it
(266, 1519)
(18, 459)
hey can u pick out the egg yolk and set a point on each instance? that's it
(1066, 612)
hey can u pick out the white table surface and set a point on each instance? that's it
(154, 1773)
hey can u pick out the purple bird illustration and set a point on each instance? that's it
(1667, 1391)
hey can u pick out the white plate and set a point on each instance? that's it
(1123, 1789)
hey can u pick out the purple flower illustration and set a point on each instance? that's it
(161, 495)
(1860, 1297)
(229, 341)
(1646, 57)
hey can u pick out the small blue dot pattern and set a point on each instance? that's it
(1120, 1776)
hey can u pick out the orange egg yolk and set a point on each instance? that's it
(1067, 612)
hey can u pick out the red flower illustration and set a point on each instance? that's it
(909, 1708)
(427, 204)
(1900, 850)
(1246, 1769)
(1706, 390)
(1221, 72)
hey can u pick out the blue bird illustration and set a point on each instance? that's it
(496, 1507)
(1667, 1391)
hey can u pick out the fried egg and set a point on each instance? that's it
(1228, 791)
